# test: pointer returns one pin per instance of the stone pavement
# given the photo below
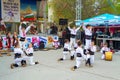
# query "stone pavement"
(50, 69)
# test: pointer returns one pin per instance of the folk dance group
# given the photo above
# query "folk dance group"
(75, 49)
(23, 56)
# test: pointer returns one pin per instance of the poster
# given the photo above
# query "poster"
(10, 10)
(29, 39)
(50, 39)
(43, 39)
(28, 10)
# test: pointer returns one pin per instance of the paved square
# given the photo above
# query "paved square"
(50, 69)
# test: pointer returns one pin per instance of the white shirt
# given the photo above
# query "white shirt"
(72, 31)
(93, 48)
(56, 43)
(67, 46)
(29, 50)
(21, 32)
(88, 56)
(104, 49)
(18, 50)
(87, 31)
(79, 50)
(75, 45)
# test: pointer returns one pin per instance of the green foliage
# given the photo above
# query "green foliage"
(66, 8)
(63, 9)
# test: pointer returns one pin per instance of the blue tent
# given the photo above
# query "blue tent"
(103, 19)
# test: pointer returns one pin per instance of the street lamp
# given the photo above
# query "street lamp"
(96, 6)
(78, 9)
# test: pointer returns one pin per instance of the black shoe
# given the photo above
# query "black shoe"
(61, 59)
(23, 63)
(72, 58)
(36, 62)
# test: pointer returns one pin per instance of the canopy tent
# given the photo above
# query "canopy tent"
(104, 19)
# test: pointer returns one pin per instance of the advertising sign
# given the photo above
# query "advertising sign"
(10, 10)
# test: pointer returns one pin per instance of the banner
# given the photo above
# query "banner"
(51, 39)
(28, 10)
(10, 10)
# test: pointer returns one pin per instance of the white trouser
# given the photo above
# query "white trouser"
(87, 43)
(92, 57)
(29, 59)
(78, 61)
(18, 61)
(85, 57)
(72, 53)
(103, 56)
(72, 42)
(22, 44)
(65, 53)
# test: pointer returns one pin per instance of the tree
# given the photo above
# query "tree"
(63, 9)
(90, 8)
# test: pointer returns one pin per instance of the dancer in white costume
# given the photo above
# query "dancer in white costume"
(92, 51)
(88, 37)
(73, 52)
(18, 57)
(29, 52)
(22, 33)
(66, 50)
(103, 50)
(73, 32)
(79, 54)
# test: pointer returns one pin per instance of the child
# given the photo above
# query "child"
(66, 50)
(88, 59)
(29, 52)
(56, 44)
(8, 38)
(73, 32)
(79, 54)
(73, 51)
(8, 43)
(18, 57)
(92, 51)
(22, 33)
(88, 36)
(14, 39)
(103, 50)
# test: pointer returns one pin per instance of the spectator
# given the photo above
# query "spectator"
(78, 35)
(98, 32)
(60, 37)
(54, 29)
